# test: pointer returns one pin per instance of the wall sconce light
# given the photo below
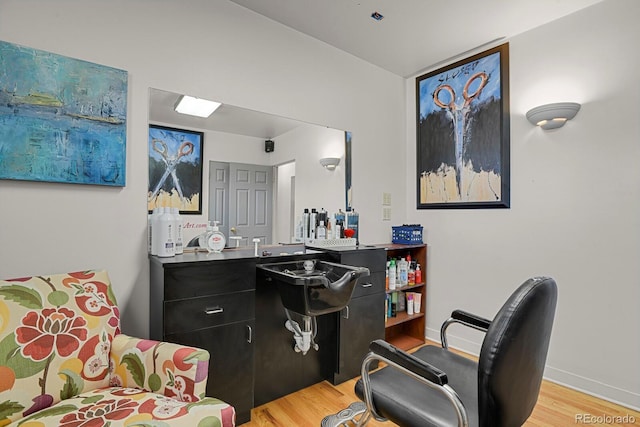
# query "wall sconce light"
(195, 106)
(330, 162)
(553, 116)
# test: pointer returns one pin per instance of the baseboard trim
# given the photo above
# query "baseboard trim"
(592, 387)
(573, 381)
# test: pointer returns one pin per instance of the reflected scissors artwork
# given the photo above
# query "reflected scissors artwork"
(171, 162)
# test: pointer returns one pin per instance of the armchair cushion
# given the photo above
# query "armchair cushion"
(174, 370)
(118, 406)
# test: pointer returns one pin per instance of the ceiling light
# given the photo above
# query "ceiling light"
(553, 116)
(330, 162)
(195, 106)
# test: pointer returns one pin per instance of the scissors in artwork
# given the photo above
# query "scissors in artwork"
(468, 97)
(459, 113)
(171, 161)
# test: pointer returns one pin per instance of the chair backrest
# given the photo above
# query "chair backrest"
(513, 354)
(55, 336)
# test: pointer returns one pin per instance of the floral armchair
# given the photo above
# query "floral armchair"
(63, 361)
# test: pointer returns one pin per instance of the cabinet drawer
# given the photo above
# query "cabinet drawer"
(209, 279)
(374, 259)
(374, 283)
(197, 313)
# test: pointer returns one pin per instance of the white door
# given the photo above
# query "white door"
(240, 198)
(219, 197)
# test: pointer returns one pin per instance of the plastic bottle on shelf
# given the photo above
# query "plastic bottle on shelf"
(386, 279)
(394, 304)
(418, 274)
(163, 234)
(331, 229)
(305, 224)
(216, 241)
(392, 274)
(411, 276)
(322, 216)
(322, 231)
(353, 220)
(312, 223)
(152, 219)
(403, 272)
(299, 234)
(177, 229)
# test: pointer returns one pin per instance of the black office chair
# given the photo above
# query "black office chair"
(436, 387)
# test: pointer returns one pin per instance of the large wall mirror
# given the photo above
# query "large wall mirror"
(251, 190)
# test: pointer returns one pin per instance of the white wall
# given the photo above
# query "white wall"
(575, 209)
(316, 187)
(221, 51)
(284, 213)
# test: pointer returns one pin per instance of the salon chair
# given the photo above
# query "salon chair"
(436, 387)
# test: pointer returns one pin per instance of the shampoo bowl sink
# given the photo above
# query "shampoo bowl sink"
(325, 288)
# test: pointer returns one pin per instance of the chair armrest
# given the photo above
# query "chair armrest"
(170, 369)
(407, 361)
(424, 372)
(464, 318)
(471, 319)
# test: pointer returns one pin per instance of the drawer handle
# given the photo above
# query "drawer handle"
(345, 314)
(250, 337)
(215, 310)
(367, 285)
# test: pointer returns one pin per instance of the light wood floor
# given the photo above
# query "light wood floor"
(557, 406)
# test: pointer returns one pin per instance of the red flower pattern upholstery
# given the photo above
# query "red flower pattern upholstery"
(63, 361)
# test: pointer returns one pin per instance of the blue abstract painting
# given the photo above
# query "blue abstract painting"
(61, 119)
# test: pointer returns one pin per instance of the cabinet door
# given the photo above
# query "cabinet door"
(280, 370)
(231, 365)
(361, 322)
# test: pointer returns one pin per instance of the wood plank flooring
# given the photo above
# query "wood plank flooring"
(557, 406)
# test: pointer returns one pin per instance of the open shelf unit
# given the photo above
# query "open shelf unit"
(404, 331)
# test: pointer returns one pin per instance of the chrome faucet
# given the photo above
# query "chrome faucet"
(255, 245)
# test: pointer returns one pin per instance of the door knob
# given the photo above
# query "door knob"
(233, 230)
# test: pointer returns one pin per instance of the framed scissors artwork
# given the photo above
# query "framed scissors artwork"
(175, 169)
(462, 148)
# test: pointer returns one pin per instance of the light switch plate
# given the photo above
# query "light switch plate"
(386, 199)
(386, 214)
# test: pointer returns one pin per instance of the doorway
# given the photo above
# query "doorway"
(241, 201)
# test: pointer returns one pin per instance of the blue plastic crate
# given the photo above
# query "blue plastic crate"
(406, 234)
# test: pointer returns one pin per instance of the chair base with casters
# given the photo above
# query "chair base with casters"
(436, 387)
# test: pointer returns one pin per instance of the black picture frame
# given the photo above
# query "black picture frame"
(175, 169)
(463, 133)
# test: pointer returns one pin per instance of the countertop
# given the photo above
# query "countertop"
(276, 252)
(236, 254)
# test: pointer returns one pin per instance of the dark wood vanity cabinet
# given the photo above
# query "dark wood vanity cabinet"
(211, 305)
(224, 304)
(362, 320)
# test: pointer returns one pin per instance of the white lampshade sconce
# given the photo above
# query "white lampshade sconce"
(553, 116)
(330, 163)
